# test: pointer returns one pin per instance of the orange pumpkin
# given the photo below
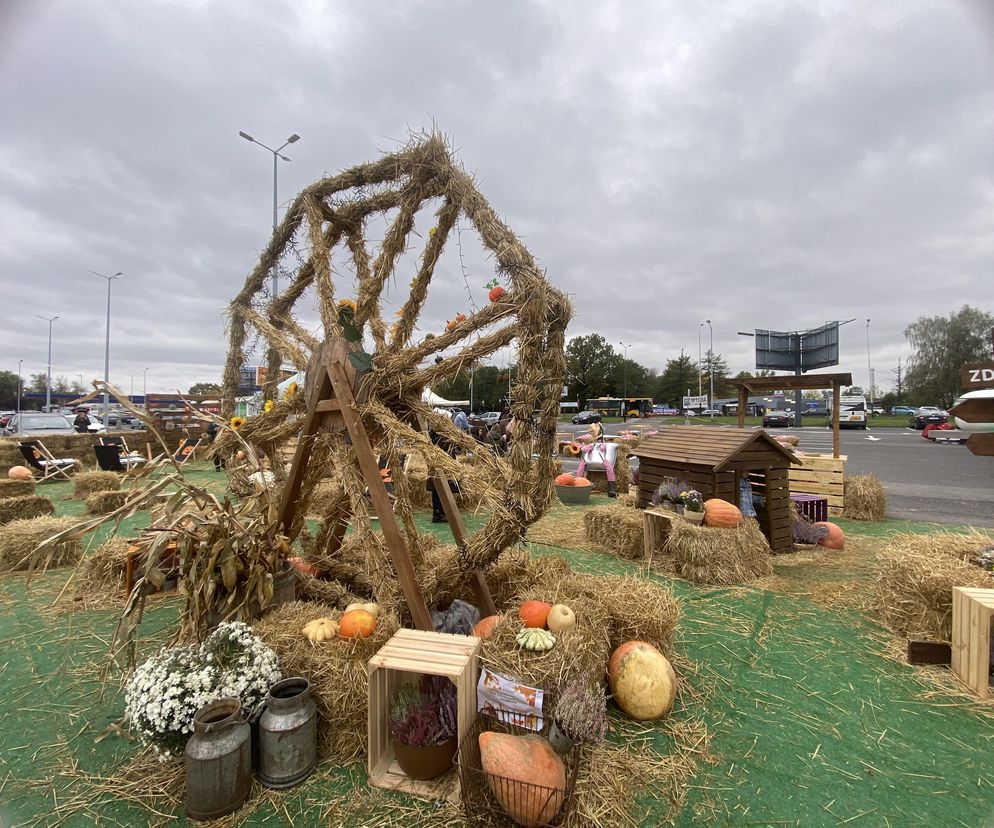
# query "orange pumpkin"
(529, 759)
(835, 539)
(582, 481)
(356, 623)
(721, 513)
(24, 473)
(534, 613)
(302, 566)
(565, 479)
(642, 681)
(486, 626)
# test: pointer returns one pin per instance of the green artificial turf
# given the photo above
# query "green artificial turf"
(810, 723)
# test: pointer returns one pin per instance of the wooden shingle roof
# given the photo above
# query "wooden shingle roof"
(713, 448)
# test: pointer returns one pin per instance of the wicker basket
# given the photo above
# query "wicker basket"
(479, 802)
(574, 495)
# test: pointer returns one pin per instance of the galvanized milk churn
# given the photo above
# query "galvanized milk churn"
(218, 761)
(288, 734)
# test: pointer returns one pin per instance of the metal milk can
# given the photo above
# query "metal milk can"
(288, 734)
(218, 761)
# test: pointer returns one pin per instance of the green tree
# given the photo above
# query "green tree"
(940, 346)
(205, 388)
(37, 384)
(679, 375)
(8, 389)
(590, 365)
(715, 364)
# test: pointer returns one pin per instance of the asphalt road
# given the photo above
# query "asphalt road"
(934, 482)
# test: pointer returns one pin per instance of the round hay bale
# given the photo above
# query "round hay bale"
(24, 508)
(16, 488)
(337, 671)
(915, 579)
(20, 538)
(86, 483)
(864, 498)
(103, 503)
(717, 556)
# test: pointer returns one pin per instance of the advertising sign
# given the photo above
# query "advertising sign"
(695, 402)
(977, 376)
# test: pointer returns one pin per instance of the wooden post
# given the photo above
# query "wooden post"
(743, 399)
(836, 408)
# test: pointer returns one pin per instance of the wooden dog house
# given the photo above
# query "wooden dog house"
(714, 461)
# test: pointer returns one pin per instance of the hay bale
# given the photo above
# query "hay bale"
(103, 503)
(20, 538)
(16, 488)
(337, 671)
(618, 528)
(864, 498)
(721, 557)
(100, 581)
(24, 508)
(638, 610)
(915, 579)
(325, 495)
(86, 483)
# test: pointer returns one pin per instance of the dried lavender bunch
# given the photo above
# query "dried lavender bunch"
(581, 712)
(805, 532)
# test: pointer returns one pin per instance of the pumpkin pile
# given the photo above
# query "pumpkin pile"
(540, 623)
(569, 479)
(358, 621)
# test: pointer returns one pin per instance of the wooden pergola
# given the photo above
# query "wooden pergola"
(799, 382)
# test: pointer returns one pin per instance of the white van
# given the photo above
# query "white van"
(852, 412)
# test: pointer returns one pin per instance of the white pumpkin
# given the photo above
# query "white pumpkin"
(642, 681)
(372, 609)
(561, 618)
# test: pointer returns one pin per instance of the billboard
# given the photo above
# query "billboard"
(695, 402)
(793, 350)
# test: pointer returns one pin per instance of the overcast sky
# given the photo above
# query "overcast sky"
(758, 164)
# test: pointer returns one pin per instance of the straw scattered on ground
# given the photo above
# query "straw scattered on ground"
(86, 483)
(24, 508)
(864, 498)
(716, 556)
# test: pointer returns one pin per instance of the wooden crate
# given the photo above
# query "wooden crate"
(971, 655)
(821, 474)
(405, 657)
(655, 529)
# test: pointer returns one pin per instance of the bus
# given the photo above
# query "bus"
(619, 406)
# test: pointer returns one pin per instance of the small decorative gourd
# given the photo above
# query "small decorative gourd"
(320, 629)
(535, 639)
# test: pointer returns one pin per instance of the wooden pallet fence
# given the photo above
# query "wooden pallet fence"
(405, 658)
(821, 474)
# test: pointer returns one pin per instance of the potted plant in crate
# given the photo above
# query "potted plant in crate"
(422, 724)
(693, 505)
(580, 716)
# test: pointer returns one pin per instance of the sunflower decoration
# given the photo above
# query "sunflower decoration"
(347, 308)
(236, 423)
(291, 391)
(573, 449)
(268, 406)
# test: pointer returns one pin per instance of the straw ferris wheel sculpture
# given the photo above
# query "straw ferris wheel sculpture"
(329, 217)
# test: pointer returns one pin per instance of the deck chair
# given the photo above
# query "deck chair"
(109, 458)
(186, 449)
(41, 459)
(116, 440)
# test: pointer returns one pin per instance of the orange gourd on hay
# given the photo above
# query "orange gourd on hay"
(528, 759)
(642, 681)
(19, 473)
(534, 613)
(356, 624)
(835, 539)
(721, 513)
(485, 628)
(565, 479)
(582, 481)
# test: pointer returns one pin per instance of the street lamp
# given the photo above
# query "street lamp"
(48, 382)
(711, 371)
(145, 389)
(699, 329)
(276, 154)
(20, 362)
(107, 340)
(869, 370)
(624, 401)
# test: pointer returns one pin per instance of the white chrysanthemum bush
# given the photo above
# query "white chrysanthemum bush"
(168, 689)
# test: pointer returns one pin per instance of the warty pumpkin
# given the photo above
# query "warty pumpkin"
(721, 513)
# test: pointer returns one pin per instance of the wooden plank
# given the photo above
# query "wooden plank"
(981, 444)
(928, 652)
(381, 502)
(328, 407)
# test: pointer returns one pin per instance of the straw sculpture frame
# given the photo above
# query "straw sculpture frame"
(330, 218)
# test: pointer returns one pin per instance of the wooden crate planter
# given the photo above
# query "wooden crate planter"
(405, 657)
(656, 523)
(821, 474)
(971, 654)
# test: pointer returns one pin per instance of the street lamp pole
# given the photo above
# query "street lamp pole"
(624, 401)
(145, 389)
(20, 362)
(711, 371)
(107, 339)
(276, 154)
(869, 370)
(48, 382)
(700, 328)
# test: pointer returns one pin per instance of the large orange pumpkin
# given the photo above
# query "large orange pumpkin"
(642, 681)
(565, 479)
(835, 539)
(356, 623)
(534, 613)
(530, 759)
(485, 628)
(721, 513)
(21, 473)
(582, 481)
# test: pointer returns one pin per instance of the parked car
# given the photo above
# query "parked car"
(816, 412)
(778, 419)
(927, 415)
(490, 418)
(906, 410)
(586, 417)
(5, 417)
(707, 412)
(38, 424)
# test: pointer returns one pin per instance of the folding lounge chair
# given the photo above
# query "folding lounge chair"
(186, 449)
(41, 459)
(116, 440)
(109, 458)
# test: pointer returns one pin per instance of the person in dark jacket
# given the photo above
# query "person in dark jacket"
(82, 421)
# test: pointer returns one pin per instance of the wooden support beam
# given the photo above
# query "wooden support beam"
(743, 399)
(836, 408)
